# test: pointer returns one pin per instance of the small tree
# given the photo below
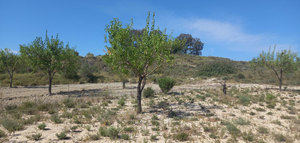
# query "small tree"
(9, 62)
(140, 54)
(283, 62)
(50, 56)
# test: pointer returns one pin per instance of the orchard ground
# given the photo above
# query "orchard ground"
(193, 112)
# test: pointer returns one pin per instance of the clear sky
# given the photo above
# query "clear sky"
(236, 29)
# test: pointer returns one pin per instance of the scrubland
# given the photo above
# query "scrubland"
(194, 111)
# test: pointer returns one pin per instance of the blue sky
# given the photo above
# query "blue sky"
(236, 29)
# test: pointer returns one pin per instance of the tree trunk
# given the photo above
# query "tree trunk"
(124, 84)
(280, 80)
(11, 80)
(50, 83)
(140, 87)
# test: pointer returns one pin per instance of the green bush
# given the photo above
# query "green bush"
(121, 102)
(166, 84)
(62, 136)
(216, 69)
(148, 92)
(42, 126)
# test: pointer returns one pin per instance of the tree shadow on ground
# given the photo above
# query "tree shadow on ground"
(82, 93)
(172, 110)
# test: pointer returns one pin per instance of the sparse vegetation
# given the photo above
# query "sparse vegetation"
(215, 99)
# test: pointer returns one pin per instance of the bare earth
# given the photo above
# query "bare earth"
(199, 118)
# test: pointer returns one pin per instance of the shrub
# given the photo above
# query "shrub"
(166, 84)
(2, 134)
(56, 119)
(69, 103)
(232, 129)
(244, 100)
(181, 136)
(103, 131)
(241, 121)
(62, 136)
(280, 138)
(248, 136)
(35, 137)
(121, 102)
(28, 107)
(148, 92)
(240, 76)
(42, 126)
(111, 132)
(216, 69)
(129, 129)
(94, 137)
(263, 130)
(153, 137)
(125, 137)
(12, 125)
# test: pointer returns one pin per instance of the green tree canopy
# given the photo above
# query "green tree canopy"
(140, 54)
(9, 61)
(280, 62)
(50, 56)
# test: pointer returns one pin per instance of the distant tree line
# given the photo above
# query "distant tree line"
(184, 43)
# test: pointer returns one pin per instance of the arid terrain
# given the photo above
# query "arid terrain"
(195, 112)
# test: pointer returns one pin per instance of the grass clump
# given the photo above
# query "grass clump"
(232, 129)
(124, 137)
(94, 137)
(42, 126)
(128, 129)
(35, 137)
(148, 92)
(166, 84)
(263, 130)
(244, 100)
(121, 102)
(153, 137)
(248, 136)
(12, 124)
(241, 121)
(69, 103)
(280, 138)
(181, 136)
(111, 132)
(56, 119)
(62, 136)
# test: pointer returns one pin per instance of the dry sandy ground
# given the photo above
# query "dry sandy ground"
(195, 127)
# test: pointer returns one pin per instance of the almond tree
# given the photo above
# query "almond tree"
(9, 62)
(280, 63)
(50, 56)
(139, 54)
